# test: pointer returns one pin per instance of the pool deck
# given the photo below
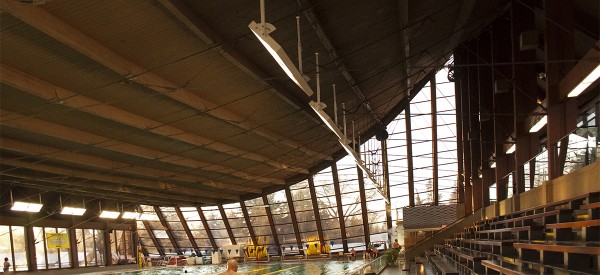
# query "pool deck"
(415, 269)
(86, 270)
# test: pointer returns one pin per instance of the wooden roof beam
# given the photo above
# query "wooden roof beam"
(42, 20)
(158, 187)
(35, 125)
(45, 152)
(182, 12)
(101, 189)
(50, 92)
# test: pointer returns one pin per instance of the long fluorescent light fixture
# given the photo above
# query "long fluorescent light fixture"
(586, 82)
(75, 211)
(318, 107)
(511, 149)
(539, 124)
(26, 207)
(109, 214)
(130, 215)
(262, 32)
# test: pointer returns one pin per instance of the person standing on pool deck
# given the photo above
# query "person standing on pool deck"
(6, 268)
(232, 267)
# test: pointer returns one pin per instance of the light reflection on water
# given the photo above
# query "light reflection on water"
(308, 268)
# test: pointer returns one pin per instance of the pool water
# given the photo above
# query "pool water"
(309, 268)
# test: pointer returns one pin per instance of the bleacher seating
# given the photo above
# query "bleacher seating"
(561, 237)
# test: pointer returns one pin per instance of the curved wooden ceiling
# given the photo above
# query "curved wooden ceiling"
(175, 102)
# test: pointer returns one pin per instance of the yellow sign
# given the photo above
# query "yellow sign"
(57, 240)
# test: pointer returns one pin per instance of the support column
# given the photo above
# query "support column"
(460, 179)
(340, 209)
(292, 208)
(315, 204)
(462, 88)
(73, 247)
(409, 156)
(30, 248)
(363, 205)
(488, 180)
(108, 250)
(207, 228)
(386, 183)
(271, 224)
(486, 116)
(559, 45)
(434, 144)
(502, 102)
(165, 225)
(524, 89)
(159, 248)
(474, 133)
(226, 222)
(248, 223)
(186, 228)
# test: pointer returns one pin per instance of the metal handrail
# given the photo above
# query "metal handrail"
(359, 270)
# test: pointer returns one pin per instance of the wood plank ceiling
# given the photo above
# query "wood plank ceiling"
(175, 102)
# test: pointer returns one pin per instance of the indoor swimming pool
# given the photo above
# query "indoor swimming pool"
(313, 267)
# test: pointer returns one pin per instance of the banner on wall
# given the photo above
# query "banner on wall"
(57, 240)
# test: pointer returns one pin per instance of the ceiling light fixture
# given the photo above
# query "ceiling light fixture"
(586, 82)
(75, 211)
(26, 207)
(109, 214)
(539, 124)
(130, 215)
(511, 149)
(262, 31)
(493, 164)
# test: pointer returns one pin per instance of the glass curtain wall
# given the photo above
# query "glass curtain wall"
(260, 221)
(145, 240)
(12, 246)
(47, 257)
(90, 247)
(237, 222)
(282, 219)
(327, 203)
(176, 227)
(194, 223)
(121, 245)
(216, 225)
(307, 225)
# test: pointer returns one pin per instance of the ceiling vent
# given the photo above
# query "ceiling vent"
(33, 2)
(529, 40)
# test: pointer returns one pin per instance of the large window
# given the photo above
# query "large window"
(90, 247)
(12, 246)
(216, 225)
(158, 230)
(260, 221)
(174, 224)
(194, 223)
(305, 215)
(48, 257)
(282, 219)
(145, 240)
(121, 246)
(325, 191)
(237, 222)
